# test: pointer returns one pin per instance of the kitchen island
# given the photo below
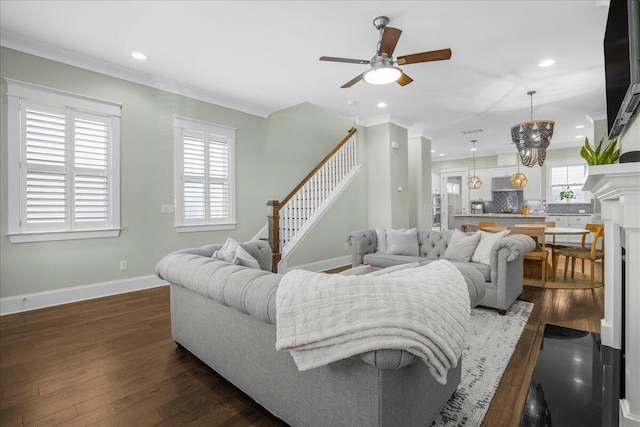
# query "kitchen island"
(506, 219)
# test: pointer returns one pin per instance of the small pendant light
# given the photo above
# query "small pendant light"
(519, 179)
(474, 182)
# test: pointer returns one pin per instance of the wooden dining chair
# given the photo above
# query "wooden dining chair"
(591, 253)
(550, 244)
(483, 224)
(465, 228)
(539, 253)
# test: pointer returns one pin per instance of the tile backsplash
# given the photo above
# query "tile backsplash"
(513, 200)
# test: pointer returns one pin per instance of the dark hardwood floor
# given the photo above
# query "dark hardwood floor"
(112, 362)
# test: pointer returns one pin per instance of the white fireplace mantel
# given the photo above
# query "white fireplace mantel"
(618, 189)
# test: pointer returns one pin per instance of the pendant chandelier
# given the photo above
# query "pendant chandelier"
(532, 138)
(474, 182)
(519, 179)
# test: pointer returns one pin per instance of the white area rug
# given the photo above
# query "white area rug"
(490, 342)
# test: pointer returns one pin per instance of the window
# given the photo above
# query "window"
(205, 178)
(570, 176)
(63, 157)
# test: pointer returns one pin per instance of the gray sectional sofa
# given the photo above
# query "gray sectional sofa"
(503, 274)
(225, 315)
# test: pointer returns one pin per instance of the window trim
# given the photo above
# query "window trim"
(18, 93)
(562, 163)
(184, 123)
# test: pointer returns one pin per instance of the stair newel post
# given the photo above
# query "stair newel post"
(273, 216)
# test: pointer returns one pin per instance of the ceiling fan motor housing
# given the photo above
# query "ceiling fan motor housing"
(380, 22)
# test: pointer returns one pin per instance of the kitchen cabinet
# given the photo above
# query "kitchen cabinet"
(503, 171)
(484, 192)
(532, 189)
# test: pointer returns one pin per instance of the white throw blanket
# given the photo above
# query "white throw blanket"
(322, 318)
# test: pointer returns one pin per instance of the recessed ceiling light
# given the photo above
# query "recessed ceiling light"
(579, 126)
(139, 55)
(382, 104)
(441, 154)
(433, 151)
(547, 62)
(579, 136)
(351, 102)
(473, 149)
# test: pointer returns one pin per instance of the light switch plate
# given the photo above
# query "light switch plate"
(167, 209)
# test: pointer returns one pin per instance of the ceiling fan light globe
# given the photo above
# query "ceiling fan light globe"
(382, 75)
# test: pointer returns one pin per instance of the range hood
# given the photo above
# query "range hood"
(503, 184)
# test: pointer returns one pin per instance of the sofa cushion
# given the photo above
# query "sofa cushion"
(387, 260)
(476, 281)
(461, 246)
(402, 242)
(482, 268)
(482, 253)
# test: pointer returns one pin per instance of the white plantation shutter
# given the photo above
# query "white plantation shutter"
(195, 199)
(219, 202)
(204, 175)
(64, 169)
(46, 166)
(91, 166)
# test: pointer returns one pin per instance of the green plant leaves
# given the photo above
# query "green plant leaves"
(598, 156)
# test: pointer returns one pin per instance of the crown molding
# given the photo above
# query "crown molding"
(69, 57)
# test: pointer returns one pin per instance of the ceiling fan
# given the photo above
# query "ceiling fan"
(383, 67)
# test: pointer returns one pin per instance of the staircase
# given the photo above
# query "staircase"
(290, 220)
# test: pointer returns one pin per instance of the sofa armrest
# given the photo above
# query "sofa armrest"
(362, 242)
(506, 268)
(516, 246)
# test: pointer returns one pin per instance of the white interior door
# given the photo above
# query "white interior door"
(455, 195)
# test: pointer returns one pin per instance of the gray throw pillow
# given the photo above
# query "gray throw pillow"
(402, 242)
(482, 253)
(461, 247)
(233, 253)
(381, 240)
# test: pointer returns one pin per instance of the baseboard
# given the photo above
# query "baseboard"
(37, 300)
(627, 419)
(326, 264)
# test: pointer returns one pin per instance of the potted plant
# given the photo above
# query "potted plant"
(567, 195)
(600, 156)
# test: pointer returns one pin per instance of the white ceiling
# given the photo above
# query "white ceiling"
(261, 57)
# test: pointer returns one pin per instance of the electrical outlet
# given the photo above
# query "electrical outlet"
(167, 209)
(124, 265)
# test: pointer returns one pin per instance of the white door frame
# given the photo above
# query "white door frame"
(464, 190)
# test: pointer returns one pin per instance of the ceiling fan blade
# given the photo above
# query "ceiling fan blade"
(352, 81)
(390, 37)
(404, 80)
(347, 60)
(434, 55)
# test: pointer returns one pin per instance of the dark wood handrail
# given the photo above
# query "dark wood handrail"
(274, 206)
(317, 168)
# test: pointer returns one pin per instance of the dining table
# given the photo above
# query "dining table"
(557, 231)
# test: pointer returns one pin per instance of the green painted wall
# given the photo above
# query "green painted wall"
(147, 179)
(377, 154)
(297, 139)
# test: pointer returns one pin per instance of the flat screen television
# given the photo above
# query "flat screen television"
(622, 63)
